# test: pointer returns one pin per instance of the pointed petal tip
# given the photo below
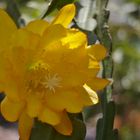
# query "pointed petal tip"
(98, 83)
(65, 15)
(110, 81)
(25, 126)
(65, 126)
(98, 51)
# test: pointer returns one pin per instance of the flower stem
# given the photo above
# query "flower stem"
(105, 124)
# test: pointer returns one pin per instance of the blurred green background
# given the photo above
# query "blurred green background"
(124, 25)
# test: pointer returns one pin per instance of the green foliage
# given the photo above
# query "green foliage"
(42, 131)
(135, 1)
(105, 124)
(13, 11)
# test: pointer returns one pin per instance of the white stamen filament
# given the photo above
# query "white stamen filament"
(51, 82)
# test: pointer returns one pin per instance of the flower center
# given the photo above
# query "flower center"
(52, 82)
(41, 79)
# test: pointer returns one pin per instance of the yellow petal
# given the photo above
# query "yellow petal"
(34, 105)
(65, 126)
(93, 64)
(52, 101)
(98, 51)
(24, 38)
(13, 63)
(50, 116)
(75, 74)
(65, 15)
(25, 125)
(24, 50)
(7, 27)
(71, 101)
(68, 100)
(74, 39)
(93, 67)
(98, 83)
(11, 110)
(10, 89)
(92, 96)
(52, 34)
(37, 26)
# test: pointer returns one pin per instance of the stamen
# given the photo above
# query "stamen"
(51, 82)
(40, 78)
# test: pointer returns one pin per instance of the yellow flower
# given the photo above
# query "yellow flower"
(47, 70)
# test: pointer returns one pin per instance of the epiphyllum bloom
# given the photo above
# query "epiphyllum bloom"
(47, 70)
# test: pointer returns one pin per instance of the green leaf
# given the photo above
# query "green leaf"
(105, 125)
(13, 10)
(43, 131)
(99, 129)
